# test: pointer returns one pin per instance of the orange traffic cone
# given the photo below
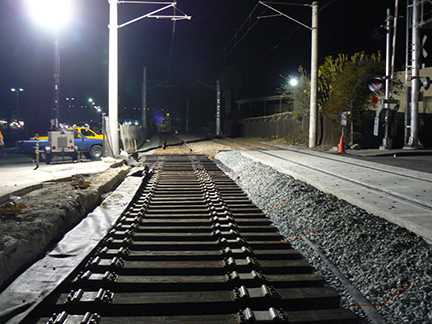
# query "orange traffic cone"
(341, 146)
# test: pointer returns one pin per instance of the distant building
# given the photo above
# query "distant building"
(425, 105)
(264, 106)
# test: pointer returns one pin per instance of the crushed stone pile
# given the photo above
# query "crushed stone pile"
(391, 266)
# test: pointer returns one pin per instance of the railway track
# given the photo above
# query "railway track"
(398, 176)
(191, 248)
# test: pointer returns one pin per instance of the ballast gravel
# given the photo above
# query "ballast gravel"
(391, 266)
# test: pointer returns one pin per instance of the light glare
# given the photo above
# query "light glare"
(51, 13)
(293, 82)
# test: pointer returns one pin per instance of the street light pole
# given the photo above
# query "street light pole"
(54, 14)
(56, 106)
(17, 90)
(113, 78)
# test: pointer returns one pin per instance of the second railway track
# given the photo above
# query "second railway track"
(192, 248)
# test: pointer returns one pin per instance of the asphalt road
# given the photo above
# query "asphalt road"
(18, 171)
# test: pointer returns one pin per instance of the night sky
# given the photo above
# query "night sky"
(27, 53)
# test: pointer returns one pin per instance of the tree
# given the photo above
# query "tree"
(342, 86)
(346, 81)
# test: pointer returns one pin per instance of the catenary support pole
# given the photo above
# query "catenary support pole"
(218, 108)
(144, 102)
(313, 113)
(313, 120)
(113, 59)
(113, 78)
(415, 76)
(187, 115)
(407, 73)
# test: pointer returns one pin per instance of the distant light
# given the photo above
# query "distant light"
(90, 100)
(51, 13)
(293, 82)
(16, 124)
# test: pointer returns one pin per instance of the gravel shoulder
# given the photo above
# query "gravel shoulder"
(391, 266)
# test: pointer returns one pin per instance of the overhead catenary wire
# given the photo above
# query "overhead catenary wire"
(173, 34)
(291, 4)
(273, 48)
(278, 44)
(234, 39)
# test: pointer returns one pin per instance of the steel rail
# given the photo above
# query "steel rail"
(421, 204)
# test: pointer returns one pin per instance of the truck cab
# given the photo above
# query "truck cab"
(87, 132)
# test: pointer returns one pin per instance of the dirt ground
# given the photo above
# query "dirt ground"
(48, 213)
(51, 211)
(208, 148)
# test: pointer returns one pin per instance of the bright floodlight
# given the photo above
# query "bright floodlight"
(293, 82)
(51, 13)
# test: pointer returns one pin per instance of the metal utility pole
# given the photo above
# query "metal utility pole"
(113, 59)
(389, 104)
(56, 106)
(144, 101)
(187, 115)
(407, 72)
(113, 78)
(218, 104)
(387, 142)
(413, 140)
(218, 108)
(17, 90)
(313, 120)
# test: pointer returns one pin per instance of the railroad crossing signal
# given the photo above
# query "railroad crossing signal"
(426, 83)
(376, 83)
